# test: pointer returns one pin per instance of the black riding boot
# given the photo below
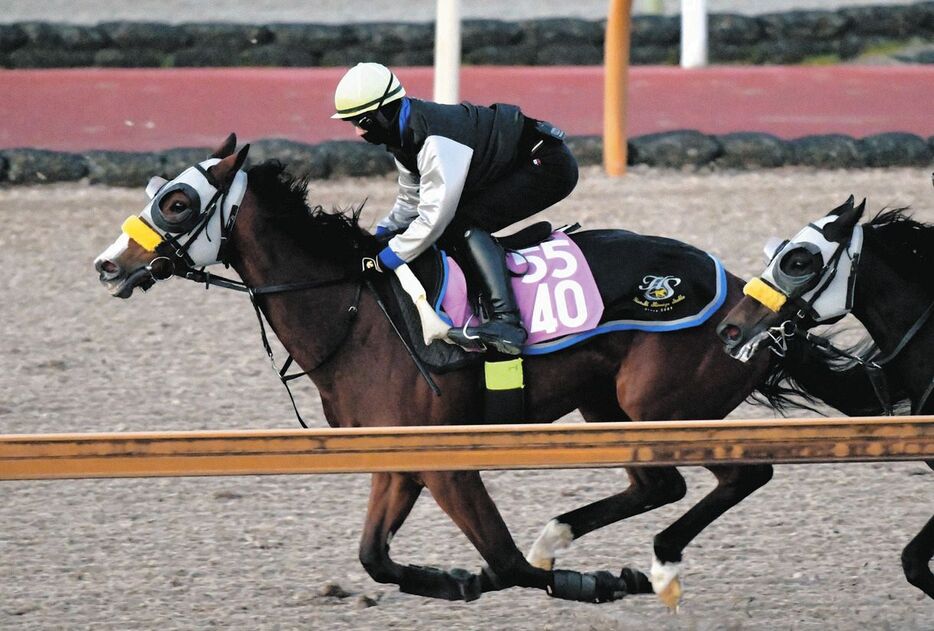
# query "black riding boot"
(504, 330)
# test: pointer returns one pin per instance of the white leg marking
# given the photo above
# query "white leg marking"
(555, 536)
(666, 582)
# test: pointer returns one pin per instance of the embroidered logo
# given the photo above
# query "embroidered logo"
(659, 293)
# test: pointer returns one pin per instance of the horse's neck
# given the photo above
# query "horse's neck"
(310, 323)
(886, 304)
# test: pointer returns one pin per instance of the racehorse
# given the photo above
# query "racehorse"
(880, 272)
(302, 266)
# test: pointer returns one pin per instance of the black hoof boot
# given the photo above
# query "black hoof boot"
(454, 584)
(636, 581)
(592, 587)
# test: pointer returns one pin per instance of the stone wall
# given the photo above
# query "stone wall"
(677, 149)
(778, 38)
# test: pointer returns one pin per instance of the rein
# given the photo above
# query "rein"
(173, 259)
(201, 276)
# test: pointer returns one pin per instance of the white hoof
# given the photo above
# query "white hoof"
(666, 582)
(555, 536)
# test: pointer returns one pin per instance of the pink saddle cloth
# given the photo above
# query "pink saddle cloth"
(555, 290)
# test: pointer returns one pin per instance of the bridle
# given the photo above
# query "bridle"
(798, 325)
(174, 258)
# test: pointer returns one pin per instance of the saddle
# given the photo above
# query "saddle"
(644, 283)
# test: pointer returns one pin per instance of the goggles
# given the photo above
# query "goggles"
(197, 230)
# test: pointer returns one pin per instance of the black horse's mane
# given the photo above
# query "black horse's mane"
(904, 243)
(335, 236)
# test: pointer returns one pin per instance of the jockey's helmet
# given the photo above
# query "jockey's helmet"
(364, 88)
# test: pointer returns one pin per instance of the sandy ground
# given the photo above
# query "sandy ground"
(818, 548)
(343, 11)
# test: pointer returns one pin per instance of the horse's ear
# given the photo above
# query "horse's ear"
(226, 148)
(845, 206)
(840, 229)
(225, 170)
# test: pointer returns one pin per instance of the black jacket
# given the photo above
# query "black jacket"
(446, 150)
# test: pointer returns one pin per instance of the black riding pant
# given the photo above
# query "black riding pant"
(539, 179)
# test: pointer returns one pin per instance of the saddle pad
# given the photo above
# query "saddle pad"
(554, 288)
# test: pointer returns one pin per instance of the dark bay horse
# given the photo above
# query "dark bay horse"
(881, 272)
(259, 223)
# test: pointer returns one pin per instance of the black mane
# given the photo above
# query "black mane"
(335, 236)
(904, 243)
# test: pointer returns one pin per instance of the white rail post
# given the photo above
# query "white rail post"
(693, 33)
(447, 51)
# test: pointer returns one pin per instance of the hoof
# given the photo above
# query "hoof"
(666, 583)
(555, 536)
(542, 563)
(671, 595)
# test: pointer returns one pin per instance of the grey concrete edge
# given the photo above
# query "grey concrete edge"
(683, 149)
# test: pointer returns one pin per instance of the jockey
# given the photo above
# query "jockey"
(465, 171)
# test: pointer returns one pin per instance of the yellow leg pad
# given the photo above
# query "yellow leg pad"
(770, 298)
(139, 231)
(504, 375)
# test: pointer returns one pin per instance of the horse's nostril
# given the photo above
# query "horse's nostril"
(108, 267)
(730, 333)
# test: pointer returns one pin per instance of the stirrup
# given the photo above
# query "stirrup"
(500, 342)
(477, 338)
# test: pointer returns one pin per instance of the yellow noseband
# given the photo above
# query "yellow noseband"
(139, 231)
(769, 297)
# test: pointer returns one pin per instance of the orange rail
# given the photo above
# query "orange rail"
(251, 452)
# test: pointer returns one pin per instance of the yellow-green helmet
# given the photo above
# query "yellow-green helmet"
(364, 88)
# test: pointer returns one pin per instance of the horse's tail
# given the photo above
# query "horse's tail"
(808, 376)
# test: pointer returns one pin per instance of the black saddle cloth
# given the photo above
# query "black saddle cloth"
(649, 279)
(645, 281)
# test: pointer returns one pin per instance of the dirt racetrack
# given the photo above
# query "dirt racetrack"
(818, 548)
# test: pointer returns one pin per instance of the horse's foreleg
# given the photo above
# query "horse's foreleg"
(917, 555)
(734, 483)
(464, 498)
(916, 559)
(392, 496)
(649, 488)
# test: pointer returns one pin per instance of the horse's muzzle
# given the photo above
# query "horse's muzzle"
(119, 283)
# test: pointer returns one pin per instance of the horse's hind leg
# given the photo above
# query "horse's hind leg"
(649, 488)
(734, 484)
(916, 557)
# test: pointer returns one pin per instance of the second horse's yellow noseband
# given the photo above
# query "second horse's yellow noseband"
(770, 298)
(142, 233)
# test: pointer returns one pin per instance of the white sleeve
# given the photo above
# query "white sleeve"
(443, 165)
(406, 207)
